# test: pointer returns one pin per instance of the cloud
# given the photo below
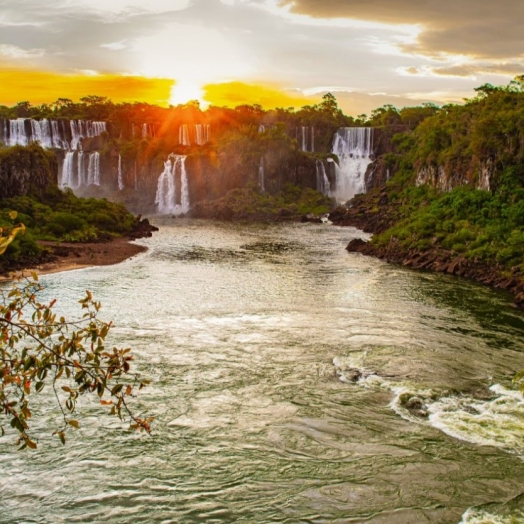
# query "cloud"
(208, 42)
(468, 27)
(10, 52)
(469, 70)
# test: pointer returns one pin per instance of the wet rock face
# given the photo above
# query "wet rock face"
(142, 228)
(415, 405)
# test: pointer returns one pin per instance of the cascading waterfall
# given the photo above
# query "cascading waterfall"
(304, 138)
(144, 130)
(183, 135)
(261, 128)
(166, 195)
(68, 170)
(201, 134)
(82, 181)
(74, 178)
(49, 133)
(120, 175)
(56, 141)
(323, 185)
(354, 149)
(93, 169)
(261, 176)
(307, 138)
(17, 133)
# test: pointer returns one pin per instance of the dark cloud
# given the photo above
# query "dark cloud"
(471, 70)
(472, 27)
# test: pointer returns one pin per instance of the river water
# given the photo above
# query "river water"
(251, 336)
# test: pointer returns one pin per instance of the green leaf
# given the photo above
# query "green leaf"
(117, 389)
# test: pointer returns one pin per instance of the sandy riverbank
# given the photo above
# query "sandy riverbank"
(67, 256)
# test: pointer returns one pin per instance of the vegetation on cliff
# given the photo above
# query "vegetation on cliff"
(469, 213)
(60, 217)
(249, 203)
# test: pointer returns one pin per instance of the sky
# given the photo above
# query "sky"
(284, 53)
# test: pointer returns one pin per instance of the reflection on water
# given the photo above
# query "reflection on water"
(277, 362)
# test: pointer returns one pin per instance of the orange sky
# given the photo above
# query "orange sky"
(39, 87)
(254, 51)
(233, 94)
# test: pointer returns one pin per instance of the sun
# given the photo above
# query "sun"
(185, 90)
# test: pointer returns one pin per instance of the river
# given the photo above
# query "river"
(250, 335)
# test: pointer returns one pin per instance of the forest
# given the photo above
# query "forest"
(455, 173)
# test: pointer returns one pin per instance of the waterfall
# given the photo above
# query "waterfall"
(50, 133)
(120, 176)
(95, 128)
(184, 189)
(323, 184)
(183, 135)
(261, 176)
(56, 140)
(75, 134)
(307, 138)
(166, 195)
(82, 181)
(201, 134)
(17, 133)
(68, 170)
(261, 128)
(41, 133)
(93, 169)
(74, 179)
(144, 130)
(354, 148)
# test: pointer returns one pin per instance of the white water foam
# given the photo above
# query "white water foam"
(496, 419)
(475, 516)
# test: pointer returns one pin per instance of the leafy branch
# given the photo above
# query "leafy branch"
(37, 349)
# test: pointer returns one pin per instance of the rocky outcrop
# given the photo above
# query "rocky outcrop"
(372, 212)
(27, 171)
(478, 174)
(142, 228)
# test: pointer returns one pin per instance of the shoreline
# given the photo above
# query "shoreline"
(70, 256)
(374, 213)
